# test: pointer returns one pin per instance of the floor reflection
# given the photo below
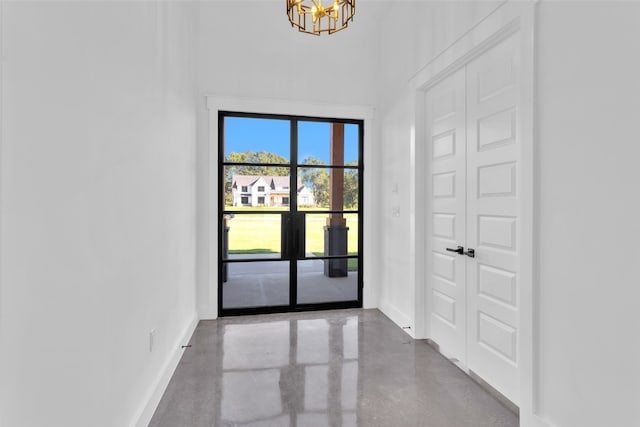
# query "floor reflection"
(334, 368)
(290, 373)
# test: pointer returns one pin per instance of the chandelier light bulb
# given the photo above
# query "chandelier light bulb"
(311, 17)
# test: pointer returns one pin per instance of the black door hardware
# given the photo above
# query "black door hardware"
(459, 250)
(471, 253)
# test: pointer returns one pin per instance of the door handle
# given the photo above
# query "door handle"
(471, 253)
(292, 236)
(459, 250)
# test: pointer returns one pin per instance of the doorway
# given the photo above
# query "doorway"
(474, 256)
(290, 213)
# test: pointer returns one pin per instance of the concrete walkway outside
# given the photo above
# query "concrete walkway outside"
(258, 284)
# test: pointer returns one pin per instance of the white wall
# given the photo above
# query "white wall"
(98, 226)
(587, 104)
(396, 288)
(408, 42)
(248, 49)
(97, 185)
(589, 210)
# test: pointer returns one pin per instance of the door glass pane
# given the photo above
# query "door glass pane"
(243, 189)
(351, 144)
(328, 280)
(318, 185)
(255, 284)
(253, 235)
(315, 144)
(252, 140)
(331, 234)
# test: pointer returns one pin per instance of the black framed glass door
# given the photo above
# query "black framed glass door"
(290, 211)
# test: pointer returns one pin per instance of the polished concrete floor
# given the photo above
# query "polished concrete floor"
(337, 368)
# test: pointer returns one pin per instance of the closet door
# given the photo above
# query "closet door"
(492, 217)
(445, 190)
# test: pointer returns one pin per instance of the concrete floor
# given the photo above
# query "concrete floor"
(337, 368)
(263, 284)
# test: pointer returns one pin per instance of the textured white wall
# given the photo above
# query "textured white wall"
(98, 225)
(589, 210)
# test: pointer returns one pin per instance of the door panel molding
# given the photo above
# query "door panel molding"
(447, 305)
(493, 214)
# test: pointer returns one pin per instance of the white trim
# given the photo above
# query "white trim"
(506, 20)
(417, 204)
(206, 314)
(209, 307)
(498, 25)
(286, 107)
(528, 307)
(536, 421)
(2, 128)
(158, 387)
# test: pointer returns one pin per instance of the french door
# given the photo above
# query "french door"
(474, 199)
(290, 213)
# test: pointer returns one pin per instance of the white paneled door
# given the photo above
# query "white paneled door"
(485, 218)
(492, 217)
(447, 296)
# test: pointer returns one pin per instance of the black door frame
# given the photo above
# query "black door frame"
(292, 214)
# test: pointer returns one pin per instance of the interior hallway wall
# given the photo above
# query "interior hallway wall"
(97, 180)
(248, 49)
(587, 94)
(588, 211)
(414, 33)
(98, 221)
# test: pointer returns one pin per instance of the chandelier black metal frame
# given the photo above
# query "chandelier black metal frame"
(311, 17)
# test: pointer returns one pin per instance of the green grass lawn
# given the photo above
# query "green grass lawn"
(352, 263)
(251, 251)
(260, 234)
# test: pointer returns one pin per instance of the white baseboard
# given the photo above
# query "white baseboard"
(398, 317)
(533, 420)
(208, 315)
(149, 405)
(539, 422)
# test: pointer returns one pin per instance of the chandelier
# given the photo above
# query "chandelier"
(311, 17)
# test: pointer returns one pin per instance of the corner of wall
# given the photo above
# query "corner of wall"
(157, 388)
(397, 317)
(532, 420)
